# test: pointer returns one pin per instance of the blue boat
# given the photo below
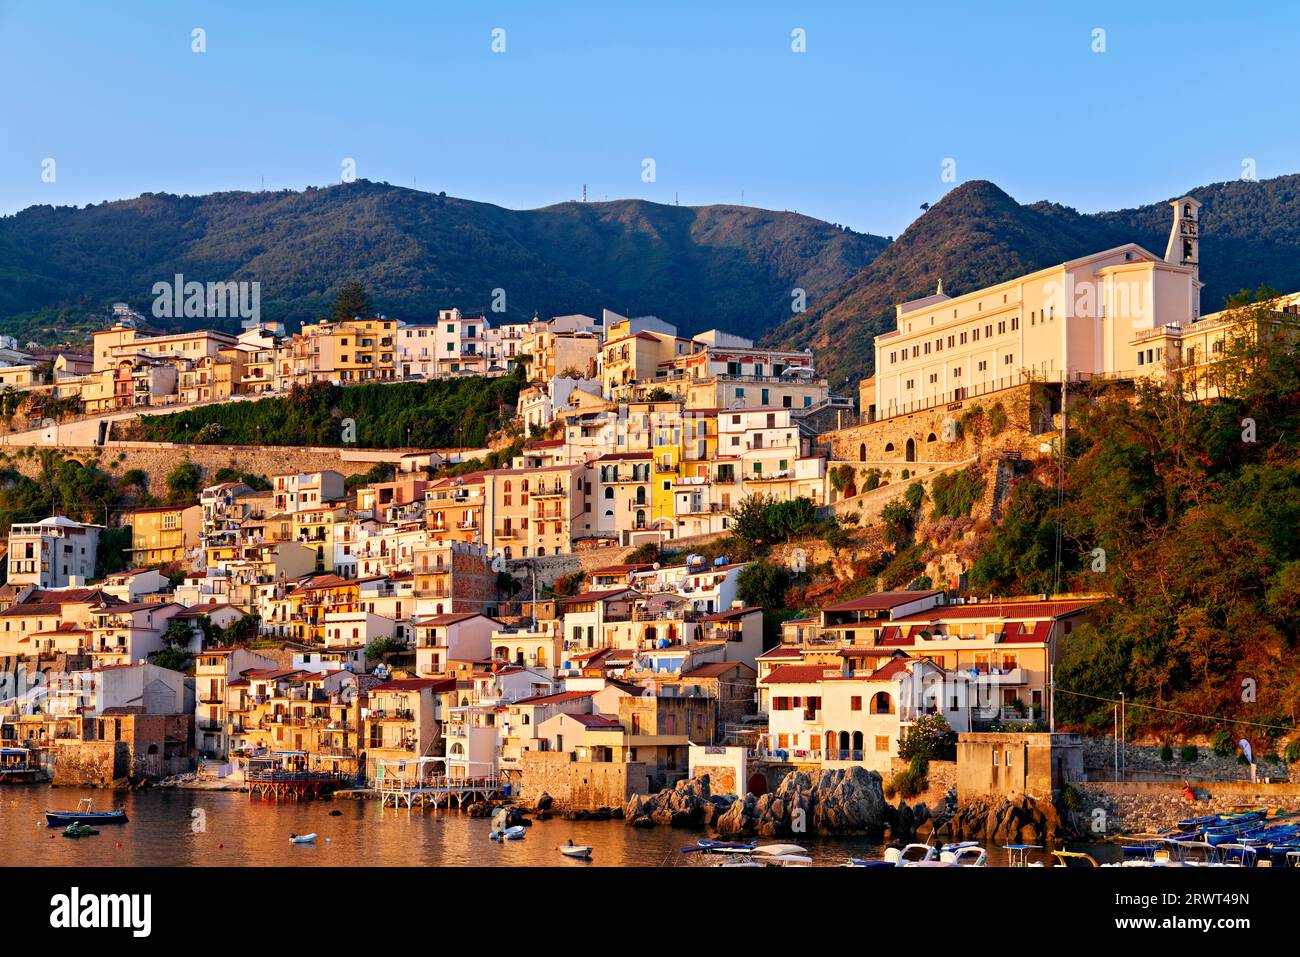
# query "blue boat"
(84, 815)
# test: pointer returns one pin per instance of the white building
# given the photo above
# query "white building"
(55, 552)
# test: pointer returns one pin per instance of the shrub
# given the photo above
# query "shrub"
(382, 646)
(1070, 797)
(1223, 743)
(1166, 753)
(955, 493)
(1292, 753)
(930, 738)
(911, 781)
(997, 418)
(1189, 753)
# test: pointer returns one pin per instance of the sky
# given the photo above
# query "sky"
(887, 106)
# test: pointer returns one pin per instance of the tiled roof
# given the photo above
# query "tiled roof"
(881, 601)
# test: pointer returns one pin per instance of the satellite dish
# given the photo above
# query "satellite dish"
(656, 566)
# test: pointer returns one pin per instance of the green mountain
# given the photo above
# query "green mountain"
(978, 235)
(699, 267)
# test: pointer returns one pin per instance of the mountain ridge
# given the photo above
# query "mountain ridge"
(417, 252)
(978, 235)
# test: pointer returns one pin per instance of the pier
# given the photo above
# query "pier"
(425, 782)
(285, 777)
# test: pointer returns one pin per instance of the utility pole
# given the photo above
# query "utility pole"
(1123, 725)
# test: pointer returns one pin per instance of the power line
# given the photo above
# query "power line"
(1130, 703)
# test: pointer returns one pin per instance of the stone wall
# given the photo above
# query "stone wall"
(884, 442)
(157, 459)
(1134, 807)
(1144, 760)
(585, 785)
(91, 763)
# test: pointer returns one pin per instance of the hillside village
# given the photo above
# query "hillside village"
(696, 558)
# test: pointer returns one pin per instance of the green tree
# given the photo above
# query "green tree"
(350, 303)
(763, 584)
(749, 520)
(930, 738)
(184, 482)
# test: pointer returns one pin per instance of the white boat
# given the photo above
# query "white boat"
(911, 855)
(302, 838)
(780, 849)
(966, 854)
(509, 834)
(576, 850)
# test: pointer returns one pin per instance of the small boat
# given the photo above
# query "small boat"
(718, 847)
(786, 860)
(580, 851)
(860, 862)
(1018, 854)
(966, 854)
(302, 838)
(1073, 859)
(77, 829)
(780, 849)
(17, 766)
(509, 834)
(85, 814)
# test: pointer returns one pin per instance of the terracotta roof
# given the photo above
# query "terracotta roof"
(555, 698)
(881, 601)
(595, 595)
(596, 720)
(781, 651)
(1018, 610)
(733, 614)
(451, 618)
(800, 674)
(623, 569)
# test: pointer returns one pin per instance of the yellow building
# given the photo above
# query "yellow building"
(165, 533)
(358, 350)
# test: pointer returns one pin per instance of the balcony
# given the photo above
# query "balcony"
(392, 714)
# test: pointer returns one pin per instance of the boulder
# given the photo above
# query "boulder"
(833, 801)
(687, 804)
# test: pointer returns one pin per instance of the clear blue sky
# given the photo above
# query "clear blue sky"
(853, 131)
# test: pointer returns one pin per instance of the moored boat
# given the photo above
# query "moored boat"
(581, 851)
(85, 814)
(17, 766)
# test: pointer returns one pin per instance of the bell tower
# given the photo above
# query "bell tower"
(1184, 248)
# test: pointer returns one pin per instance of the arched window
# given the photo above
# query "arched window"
(889, 446)
(882, 703)
(931, 437)
(609, 492)
(862, 452)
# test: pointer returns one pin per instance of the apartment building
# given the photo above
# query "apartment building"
(164, 534)
(55, 552)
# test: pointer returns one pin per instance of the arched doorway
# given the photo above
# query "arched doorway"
(910, 455)
(862, 452)
(757, 785)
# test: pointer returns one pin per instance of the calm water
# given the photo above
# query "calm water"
(184, 828)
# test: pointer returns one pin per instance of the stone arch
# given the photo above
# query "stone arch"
(909, 454)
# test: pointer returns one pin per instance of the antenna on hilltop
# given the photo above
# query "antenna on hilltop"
(584, 192)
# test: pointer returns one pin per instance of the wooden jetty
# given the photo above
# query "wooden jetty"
(425, 782)
(283, 778)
